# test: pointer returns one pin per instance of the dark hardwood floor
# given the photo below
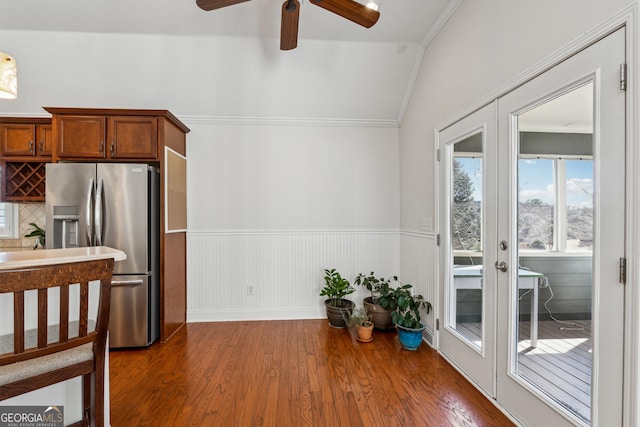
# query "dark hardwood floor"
(290, 373)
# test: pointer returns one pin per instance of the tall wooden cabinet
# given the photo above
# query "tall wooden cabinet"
(121, 135)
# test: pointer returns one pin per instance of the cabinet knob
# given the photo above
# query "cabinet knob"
(101, 148)
(113, 148)
(31, 147)
(41, 146)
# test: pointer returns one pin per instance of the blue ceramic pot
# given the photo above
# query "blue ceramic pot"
(410, 338)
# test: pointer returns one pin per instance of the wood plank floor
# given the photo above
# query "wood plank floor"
(560, 365)
(290, 373)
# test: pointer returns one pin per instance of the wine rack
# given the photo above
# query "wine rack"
(24, 181)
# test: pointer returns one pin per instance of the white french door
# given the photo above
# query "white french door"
(532, 222)
(468, 162)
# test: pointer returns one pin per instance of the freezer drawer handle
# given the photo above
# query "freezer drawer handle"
(126, 282)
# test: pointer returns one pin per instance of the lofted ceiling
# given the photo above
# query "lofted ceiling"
(401, 21)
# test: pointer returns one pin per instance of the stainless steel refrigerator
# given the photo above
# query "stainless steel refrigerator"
(115, 205)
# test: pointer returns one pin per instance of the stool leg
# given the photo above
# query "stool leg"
(98, 397)
(86, 400)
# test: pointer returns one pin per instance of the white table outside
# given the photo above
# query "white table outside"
(470, 277)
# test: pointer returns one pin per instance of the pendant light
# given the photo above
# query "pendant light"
(8, 77)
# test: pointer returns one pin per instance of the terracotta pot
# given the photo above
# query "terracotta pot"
(380, 317)
(335, 314)
(410, 338)
(365, 332)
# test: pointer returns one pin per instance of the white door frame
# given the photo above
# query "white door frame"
(627, 18)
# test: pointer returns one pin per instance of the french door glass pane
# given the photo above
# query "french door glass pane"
(555, 233)
(466, 294)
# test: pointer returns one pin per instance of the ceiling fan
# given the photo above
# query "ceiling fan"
(348, 9)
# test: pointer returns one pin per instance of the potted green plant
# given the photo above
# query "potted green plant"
(381, 302)
(37, 232)
(406, 316)
(361, 321)
(335, 289)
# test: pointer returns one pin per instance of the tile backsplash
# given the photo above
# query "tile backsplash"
(27, 212)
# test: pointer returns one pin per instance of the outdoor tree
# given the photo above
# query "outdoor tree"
(535, 224)
(466, 212)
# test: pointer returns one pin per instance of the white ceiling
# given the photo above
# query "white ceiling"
(569, 112)
(401, 21)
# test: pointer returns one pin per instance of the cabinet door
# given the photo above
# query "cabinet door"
(45, 139)
(133, 137)
(17, 139)
(81, 136)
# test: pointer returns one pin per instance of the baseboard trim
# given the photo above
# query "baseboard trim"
(195, 316)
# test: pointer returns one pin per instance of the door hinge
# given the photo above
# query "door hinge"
(437, 240)
(437, 324)
(438, 155)
(623, 76)
(623, 270)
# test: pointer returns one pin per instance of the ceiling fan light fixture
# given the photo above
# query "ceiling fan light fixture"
(372, 5)
(8, 77)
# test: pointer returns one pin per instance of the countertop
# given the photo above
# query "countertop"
(23, 259)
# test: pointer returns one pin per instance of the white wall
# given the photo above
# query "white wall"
(209, 76)
(271, 205)
(292, 177)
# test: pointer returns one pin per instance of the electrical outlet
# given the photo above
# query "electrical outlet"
(250, 290)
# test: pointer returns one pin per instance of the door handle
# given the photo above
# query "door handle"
(89, 207)
(97, 216)
(502, 266)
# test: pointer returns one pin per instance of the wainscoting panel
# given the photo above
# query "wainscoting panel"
(418, 267)
(284, 270)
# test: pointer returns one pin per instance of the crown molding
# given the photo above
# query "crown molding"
(287, 121)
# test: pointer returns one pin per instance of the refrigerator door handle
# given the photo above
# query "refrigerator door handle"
(98, 214)
(90, 194)
(64, 234)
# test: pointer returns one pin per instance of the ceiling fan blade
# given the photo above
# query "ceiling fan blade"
(351, 10)
(289, 24)
(216, 4)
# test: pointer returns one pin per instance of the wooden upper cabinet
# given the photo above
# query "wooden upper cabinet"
(18, 139)
(25, 138)
(133, 137)
(44, 137)
(107, 137)
(81, 136)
